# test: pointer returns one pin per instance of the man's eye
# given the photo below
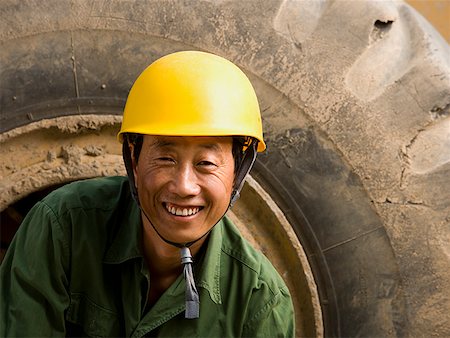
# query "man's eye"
(165, 159)
(206, 163)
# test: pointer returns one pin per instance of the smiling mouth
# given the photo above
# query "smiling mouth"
(181, 211)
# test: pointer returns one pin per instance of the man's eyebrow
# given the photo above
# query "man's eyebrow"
(160, 143)
(211, 146)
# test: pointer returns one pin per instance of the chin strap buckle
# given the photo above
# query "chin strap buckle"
(191, 295)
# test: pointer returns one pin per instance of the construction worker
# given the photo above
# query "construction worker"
(153, 254)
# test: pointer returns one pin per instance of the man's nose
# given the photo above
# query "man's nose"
(185, 182)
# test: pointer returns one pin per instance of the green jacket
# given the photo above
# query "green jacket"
(75, 267)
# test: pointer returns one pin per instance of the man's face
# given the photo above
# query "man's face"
(184, 183)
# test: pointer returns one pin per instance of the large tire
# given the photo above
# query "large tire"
(355, 101)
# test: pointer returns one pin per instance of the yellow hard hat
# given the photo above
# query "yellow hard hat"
(193, 93)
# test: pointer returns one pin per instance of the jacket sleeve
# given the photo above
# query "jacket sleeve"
(33, 279)
(274, 318)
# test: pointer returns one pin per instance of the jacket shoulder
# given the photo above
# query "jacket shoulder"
(95, 193)
(242, 253)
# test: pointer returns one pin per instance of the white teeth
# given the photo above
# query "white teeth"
(182, 211)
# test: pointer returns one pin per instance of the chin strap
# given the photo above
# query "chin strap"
(192, 298)
(246, 165)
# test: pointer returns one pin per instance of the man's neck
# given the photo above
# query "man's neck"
(163, 261)
(163, 257)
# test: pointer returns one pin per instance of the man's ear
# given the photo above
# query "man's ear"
(133, 161)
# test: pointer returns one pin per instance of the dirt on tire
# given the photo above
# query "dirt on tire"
(355, 98)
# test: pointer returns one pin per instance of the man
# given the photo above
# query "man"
(153, 255)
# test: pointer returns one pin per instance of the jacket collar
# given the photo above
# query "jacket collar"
(208, 276)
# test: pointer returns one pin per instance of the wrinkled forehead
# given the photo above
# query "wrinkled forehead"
(213, 143)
